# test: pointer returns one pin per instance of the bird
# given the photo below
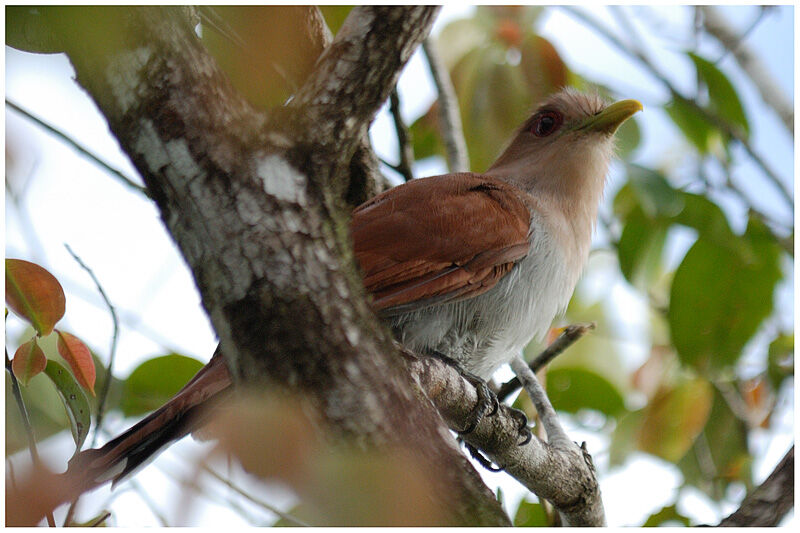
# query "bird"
(467, 266)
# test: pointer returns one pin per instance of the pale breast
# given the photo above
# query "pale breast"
(483, 332)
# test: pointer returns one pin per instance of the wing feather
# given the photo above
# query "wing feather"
(460, 234)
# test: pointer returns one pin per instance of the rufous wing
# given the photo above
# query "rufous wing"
(439, 239)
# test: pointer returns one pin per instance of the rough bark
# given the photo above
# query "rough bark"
(252, 202)
(561, 473)
(768, 504)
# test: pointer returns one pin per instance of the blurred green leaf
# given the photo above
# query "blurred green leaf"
(426, 134)
(542, 67)
(720, 455)
(673, 419)
(628, 137)
(694, 126)
(573, 389)
(624, 438)
(720, 295)
(45, 411)
(640, 249)
(493, 96)
(666, 515)
(780, 360)
(335, 16)
(530, 514)
(75, 402)
(459, 38)
(723, 99)
(155, 381)
(656, 196)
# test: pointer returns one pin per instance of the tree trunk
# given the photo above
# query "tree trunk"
(254, 203)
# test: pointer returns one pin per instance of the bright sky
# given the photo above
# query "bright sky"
(120, 236)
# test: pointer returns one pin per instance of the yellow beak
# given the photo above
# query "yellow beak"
(610, 118)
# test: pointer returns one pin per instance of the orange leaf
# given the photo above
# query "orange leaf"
(34, 294)
(79, 358)
(28, 361)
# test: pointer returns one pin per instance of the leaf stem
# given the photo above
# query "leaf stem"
(26, 422)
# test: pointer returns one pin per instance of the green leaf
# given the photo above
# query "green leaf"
(694, 126)
(45, 411)
(29, 360)
(155, 381)
(493, 98)
(720, 455)
(459, 38)
(426, 136)
(780, 360)
(656, 196)
(640, 249)
(723, 99)
(74, 399)
(628, 138)
(34, 294)
(544, 70)
(720, 295)
(573, 389)
(624, 438)
(674, 418)
(335, 16)
(666, 515)
(530, 514)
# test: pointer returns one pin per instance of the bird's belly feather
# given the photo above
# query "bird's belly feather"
(483, 332)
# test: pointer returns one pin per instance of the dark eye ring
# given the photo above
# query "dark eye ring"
(546, 123)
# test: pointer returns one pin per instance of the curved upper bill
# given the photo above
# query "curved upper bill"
(610, 118)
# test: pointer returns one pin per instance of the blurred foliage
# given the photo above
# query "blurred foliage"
(704, 313)
(692, 402)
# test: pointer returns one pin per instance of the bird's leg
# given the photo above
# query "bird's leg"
(487, 400)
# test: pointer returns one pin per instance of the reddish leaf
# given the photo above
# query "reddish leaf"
(34, 294)
(79, 358)
(29, 360)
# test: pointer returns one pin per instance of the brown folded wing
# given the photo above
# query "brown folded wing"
(439, 239)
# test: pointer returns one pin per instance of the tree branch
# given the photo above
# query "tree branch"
(449, 115)
(562, 475)
(769, 503)
(715, 24)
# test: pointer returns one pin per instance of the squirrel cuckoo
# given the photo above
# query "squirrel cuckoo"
(470, 266)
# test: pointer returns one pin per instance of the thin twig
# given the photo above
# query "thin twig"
(84, 151)
(405, 148)
(26, 423)
(716, 25)
(731, 131)
(449, 116)
(287, 517)
(570, 334)
(556, 436)
(106, 384)
(112, 351)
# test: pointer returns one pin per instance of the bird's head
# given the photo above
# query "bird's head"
(565, 146)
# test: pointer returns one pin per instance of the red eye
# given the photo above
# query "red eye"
(546, 123)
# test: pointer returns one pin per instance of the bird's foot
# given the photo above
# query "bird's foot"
(487, 403)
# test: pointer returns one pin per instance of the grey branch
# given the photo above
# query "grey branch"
(561, 473)
(571, 333)
(125, 180)
(449, 114)
(769, 503)
(716, 24)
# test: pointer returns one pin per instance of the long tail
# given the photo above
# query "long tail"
(134, 448)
